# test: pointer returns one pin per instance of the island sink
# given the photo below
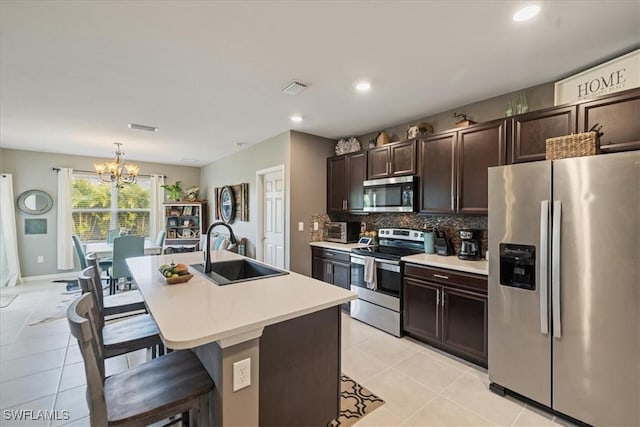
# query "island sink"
(241, 270)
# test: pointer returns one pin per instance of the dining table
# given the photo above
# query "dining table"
(271, 345)
(104, 249)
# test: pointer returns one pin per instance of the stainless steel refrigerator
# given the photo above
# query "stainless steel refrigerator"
(564, 285)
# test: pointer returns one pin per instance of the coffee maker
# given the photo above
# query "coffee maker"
(470, 243)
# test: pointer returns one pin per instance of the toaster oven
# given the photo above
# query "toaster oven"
(342, 232)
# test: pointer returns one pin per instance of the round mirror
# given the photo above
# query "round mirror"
(35, 202)
(227, 204)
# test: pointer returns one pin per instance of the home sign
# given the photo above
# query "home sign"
(619, 74)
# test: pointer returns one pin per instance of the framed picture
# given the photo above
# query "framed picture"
(187, 211)
(172, 222)
(171, 234)
(186, 223)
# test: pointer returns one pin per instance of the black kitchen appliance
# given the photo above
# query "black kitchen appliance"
(378, 303)
(443, 244)
(470, 241)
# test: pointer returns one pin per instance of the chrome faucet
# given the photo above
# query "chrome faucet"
(207, 249)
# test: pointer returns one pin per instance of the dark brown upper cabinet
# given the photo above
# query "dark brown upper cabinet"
(345, 175)
(530, 131)
(479, 147)
(619, 117)
(395, 159)
(437, 173)
(453, 168)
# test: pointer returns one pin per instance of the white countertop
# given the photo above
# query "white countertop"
(199, 311)
(345, 247)
(451, 262)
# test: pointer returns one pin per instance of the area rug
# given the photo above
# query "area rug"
(59, 311)
(6, 300)
(355, 402)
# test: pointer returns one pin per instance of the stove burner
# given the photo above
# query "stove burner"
(394, 243)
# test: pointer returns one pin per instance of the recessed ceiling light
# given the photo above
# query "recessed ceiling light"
(363, 86)
(142, 127)
(296, 118)
(526, 13)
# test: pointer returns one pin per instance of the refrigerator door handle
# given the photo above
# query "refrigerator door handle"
(555, 268)
(544, 267)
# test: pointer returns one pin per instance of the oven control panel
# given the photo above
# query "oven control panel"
(402, 234)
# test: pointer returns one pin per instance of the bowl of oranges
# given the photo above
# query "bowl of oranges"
(175, 273)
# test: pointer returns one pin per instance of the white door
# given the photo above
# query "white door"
(273, 243)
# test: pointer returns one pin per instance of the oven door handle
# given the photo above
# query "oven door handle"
(381, 264)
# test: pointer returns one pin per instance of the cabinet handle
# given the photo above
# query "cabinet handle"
(441, 276)
(437, 297)
(328, 254)
(458, 202)
(442, 298)
(346, 204)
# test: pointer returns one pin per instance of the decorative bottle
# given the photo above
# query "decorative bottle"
(525, 104)
(509, 111)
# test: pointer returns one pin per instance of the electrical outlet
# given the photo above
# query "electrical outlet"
(315, 226)
(241, 374)
(301, 226)
(40, 259)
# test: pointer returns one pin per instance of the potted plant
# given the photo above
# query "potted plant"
(174, 191)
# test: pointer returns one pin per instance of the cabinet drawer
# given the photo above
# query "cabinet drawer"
(331, 254)
(457, 279)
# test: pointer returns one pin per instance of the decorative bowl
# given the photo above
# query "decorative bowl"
(179, 279)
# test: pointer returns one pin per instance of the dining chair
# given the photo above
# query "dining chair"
(150, 392)
(162, 234)
(112, 234)
(104, 263)
(123, 336)
(124, 247)
(122, 303)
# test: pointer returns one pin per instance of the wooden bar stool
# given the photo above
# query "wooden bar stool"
(123, 336)
(153, 391)
(124, 302)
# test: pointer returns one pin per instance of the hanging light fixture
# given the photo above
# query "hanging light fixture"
(117, 171)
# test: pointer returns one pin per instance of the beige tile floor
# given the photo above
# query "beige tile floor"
(41, 369)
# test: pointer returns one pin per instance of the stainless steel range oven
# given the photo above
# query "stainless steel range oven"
(378, 302)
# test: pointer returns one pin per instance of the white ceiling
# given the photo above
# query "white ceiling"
(209, 73)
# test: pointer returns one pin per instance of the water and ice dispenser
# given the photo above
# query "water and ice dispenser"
(518, 266)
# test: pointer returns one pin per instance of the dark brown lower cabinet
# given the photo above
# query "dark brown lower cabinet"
(333, 267)
(447, 309)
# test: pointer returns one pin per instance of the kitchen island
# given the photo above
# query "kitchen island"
(288, 326)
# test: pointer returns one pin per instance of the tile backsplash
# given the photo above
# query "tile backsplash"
(450, 224)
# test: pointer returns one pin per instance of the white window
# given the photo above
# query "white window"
(98, 207)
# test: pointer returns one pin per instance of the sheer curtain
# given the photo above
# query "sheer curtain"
(65, 220)
(156, 220)
(9, 260)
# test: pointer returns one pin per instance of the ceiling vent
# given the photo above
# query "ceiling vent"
(294, 87)
(142, 127)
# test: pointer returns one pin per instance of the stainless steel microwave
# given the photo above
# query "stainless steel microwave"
(342, 232)
(391, 194)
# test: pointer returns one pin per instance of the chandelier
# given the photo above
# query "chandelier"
(117, 171)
